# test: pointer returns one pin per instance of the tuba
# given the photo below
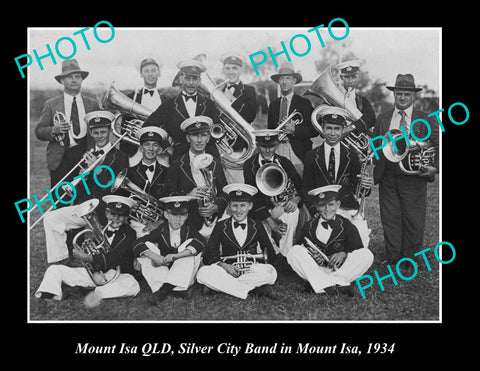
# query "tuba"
(148, 209)
(243, 260)
(202, 163)
(271, 179)
(235, 128)
(94, 241)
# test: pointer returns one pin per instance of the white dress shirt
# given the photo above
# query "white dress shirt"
(240, 233)
(68, 101)
(396, 117)
(322, 233)
(148, 172)
(196, 174)
(151, 101)
(190, 105)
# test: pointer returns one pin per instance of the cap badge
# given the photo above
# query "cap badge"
(198, 124)
(118, 205)
(97, 119)
(267, 137)
(177, 204)
(349, 68)
(238, 192)
(150, 134)
(334, 116)
(321, 195)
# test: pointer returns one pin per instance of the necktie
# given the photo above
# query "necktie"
(74, 117)
(403, 121)
(192, 97)
(327, 223)
(241, 225)
(98, 153)
(148, 91)
(283, 109)
(110, 232)
(331, 165)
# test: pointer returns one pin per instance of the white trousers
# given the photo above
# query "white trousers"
(181, 273)
(216, 278)
(56, 274)
(354, 266)
(359, 222)
(286, 242)
(56, 223)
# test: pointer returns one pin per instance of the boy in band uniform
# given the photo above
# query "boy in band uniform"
(238, 233)
(281, 219)
(149, 174)
(120, 237)
(173, 264)
(338, 239)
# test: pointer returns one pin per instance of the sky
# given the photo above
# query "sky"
(386, 51)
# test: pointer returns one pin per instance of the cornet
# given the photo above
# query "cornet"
(286, 120)
(59, 118)
(244, 260)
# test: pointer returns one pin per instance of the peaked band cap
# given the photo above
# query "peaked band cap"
(151, 133)
(240, 191)
(192, 67)
(98, 119)
(232, 58)
(196, 124)
(325, 194)
(119, 204)
(176, 204)
(267, 137)
(349, 67)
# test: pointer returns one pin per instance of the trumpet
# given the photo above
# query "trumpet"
(244, 260)
(148, 209)
(286, 120)
(59, 118)
(94, 241)
(202, 162)
(314, 250)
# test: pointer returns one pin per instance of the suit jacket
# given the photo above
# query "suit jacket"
(382, 127)
(344, 237)
(157, 187)
(180, 182)
(246, 101)
(300, 139)
(43, 130)
(173, 112)
(222, 241)
(120, 253)
(161, 236)
(315, 172)
(261, 202)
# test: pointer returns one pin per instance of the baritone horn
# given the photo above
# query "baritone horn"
(272, 180)
(94, 241)
(243, 260)
(202, 163)
(147, 208)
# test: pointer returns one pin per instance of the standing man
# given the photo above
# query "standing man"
(350, 76)
(185, 180)
(148, 96)
(402, 197)
(67, 141)
(171, 264)
(188, 103)
(297, 141)
(280, 217)
(234, 235)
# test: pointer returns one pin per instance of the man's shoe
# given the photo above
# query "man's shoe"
(207, 291)
(346, 290)
(332, 291)
(265, 291)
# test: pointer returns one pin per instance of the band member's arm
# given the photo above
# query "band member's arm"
(353, 241)
(43, 130)
(367, 121)
(139, 245)
(211, 254)
(305, 130)
(308, 182)
(159, 116)
(248, 107)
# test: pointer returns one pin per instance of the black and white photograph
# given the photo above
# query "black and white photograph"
(260, 192)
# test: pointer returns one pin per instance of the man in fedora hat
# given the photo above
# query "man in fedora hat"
(67, 141)
(297, 141)
(403, 197)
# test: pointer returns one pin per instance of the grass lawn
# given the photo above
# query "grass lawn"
(416, 299)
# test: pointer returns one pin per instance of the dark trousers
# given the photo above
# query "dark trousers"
(403, 201)
(70, 158)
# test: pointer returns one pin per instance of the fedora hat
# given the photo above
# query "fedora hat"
(286, 69)
(70, 66)
(406, 82)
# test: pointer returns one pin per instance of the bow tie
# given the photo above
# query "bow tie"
(327, 223)
(148, 167)
(241, 225)
(148, 91)
(98, 153)
(111, 232)
(192, 97)
(263, 162)
(232, 86)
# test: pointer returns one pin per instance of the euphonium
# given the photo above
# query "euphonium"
(272, 180)
(391, 153)
(419, 155)
(94, 241)
(244, 260)
(147, 209)
(202, 163)
(236, 128)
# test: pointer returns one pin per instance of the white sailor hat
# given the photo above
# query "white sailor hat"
(349, 67)
(191, 67)
(97, 119)
(232, 58)
(240, 191)
(267, 137)
(118, 204)
(178, 205)
(151, 133)
(196, 124)
(326, 193)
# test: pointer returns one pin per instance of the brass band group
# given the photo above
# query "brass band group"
(202, 195)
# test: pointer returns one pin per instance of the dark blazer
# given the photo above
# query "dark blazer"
(173, 112)
(180, 182)
(367, 121)
(300, 139)
(157, 187)
(261, 202)
(344, 237)
(161, 236)
(315, 172)
(382, 127)
(246, 101)
(120, 254)
(222, 241)
(43, 130)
